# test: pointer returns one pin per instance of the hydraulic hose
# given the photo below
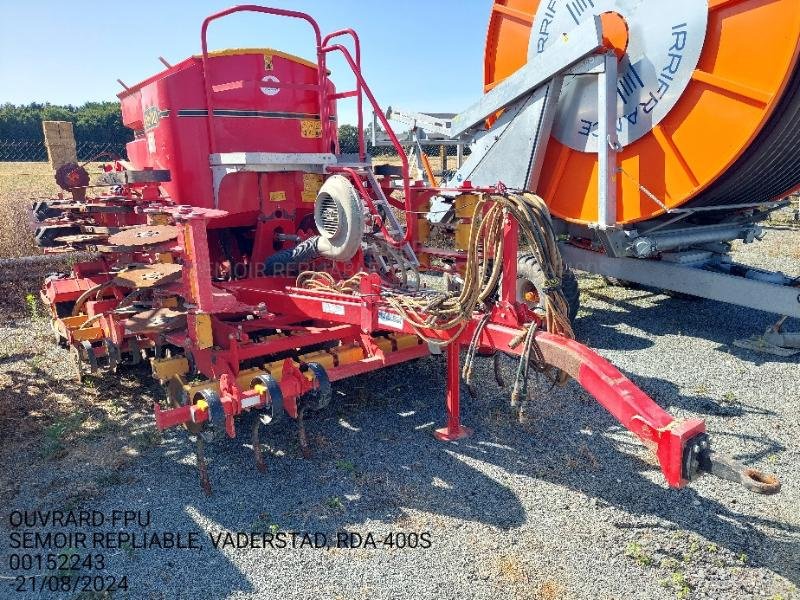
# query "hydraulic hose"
(305, 251)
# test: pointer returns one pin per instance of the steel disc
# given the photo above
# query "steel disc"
(144, 235)
(59, 250)
(156, 320)
(148, 276)
(81, 238)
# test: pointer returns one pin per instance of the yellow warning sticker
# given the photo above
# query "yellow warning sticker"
(311, 128)
(311, 184)
(277, 196)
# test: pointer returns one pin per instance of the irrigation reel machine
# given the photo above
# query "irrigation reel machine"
(655, 163)
(254, 264)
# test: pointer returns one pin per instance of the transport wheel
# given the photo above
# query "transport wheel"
(530, 281)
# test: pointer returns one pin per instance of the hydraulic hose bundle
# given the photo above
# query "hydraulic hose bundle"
(484, 267)
(443, 311)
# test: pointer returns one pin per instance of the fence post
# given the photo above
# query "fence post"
(60, 142)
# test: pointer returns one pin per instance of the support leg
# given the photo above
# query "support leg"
(454, 430)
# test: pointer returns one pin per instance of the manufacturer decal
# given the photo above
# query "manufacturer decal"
(333, 309)
(389, 319)
(151, 117)
(267, 90)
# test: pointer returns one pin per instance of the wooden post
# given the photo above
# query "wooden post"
(443, 158)
(60, 142)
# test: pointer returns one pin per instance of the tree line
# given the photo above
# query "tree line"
(99, 122)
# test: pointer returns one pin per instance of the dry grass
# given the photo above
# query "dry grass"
(516, 581)
(512, 570)
(20, 182)
(550, 590)
(435, 161)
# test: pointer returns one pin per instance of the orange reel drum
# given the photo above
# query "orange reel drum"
(707, 103)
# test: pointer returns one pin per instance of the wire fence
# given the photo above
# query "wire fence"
(35, 150)
(431, 148)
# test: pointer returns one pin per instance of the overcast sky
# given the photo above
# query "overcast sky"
(422, 55)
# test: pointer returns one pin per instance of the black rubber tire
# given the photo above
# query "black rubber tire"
(528, 271)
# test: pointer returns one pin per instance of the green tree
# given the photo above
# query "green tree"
(348, 139)
(99, 122)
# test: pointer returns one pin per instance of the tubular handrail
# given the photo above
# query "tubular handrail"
(322, 74)
(389, 131)
(373, 209)
(362, 153)
(323, 48)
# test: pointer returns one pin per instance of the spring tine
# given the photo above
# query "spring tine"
(498, 376)
(261, 465)
(202, 466)
(301, 433)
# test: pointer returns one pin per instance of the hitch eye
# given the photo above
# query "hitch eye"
(755, 480)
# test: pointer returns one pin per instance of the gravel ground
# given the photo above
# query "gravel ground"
(565, 504)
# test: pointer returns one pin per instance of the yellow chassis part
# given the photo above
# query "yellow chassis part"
(165, 369)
